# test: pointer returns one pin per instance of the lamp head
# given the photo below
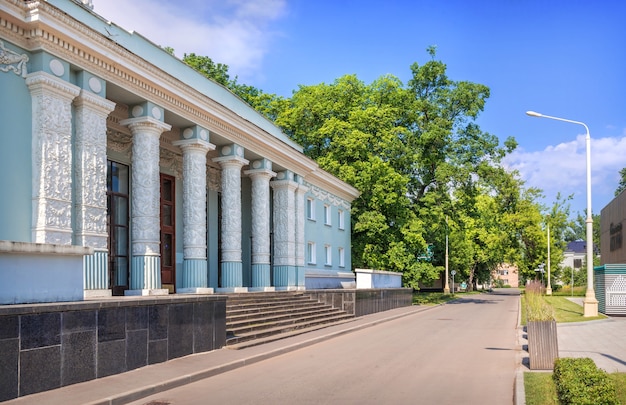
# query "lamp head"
(533, 114)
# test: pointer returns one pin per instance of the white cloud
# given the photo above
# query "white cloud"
(233, 32)
(562, 168)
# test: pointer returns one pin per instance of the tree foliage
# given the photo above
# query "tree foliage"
(423, 166)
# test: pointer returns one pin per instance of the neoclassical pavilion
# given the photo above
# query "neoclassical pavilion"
(127, 172)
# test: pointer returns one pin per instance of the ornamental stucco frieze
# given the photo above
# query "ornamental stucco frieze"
(51, 157)
(325, 196)
(12, 62)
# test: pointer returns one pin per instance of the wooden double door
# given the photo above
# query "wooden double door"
(168, 232)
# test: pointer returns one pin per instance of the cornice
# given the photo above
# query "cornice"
(37, 25)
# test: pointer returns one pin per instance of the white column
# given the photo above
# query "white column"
(299, 233)
(195, 146)
(260, 174)
(285, 275)
(51, 158)
(145, 274)
(90, 148)
(231, 161)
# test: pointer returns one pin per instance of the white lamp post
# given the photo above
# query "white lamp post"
(446, 289)
(549, 287)
(590, 304)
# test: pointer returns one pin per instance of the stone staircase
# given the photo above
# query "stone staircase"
(257, 318)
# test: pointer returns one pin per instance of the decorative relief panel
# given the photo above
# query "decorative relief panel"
(260, 214)
(323, 195)
(120, 142)
(194, 197)
(214, 178)
(231, 207)
(90, 169)
(51, 158)
(171, 161)
(146, 186)
(12, 62)
(284, 222)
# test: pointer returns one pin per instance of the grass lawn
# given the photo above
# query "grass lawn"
(565, 310)
(436, 298)
(540, 388)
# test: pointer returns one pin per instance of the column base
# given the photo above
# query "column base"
(590, 307)
(195, 290)
(90, 294)
(145, 292)
(287, 288)
(548, 290)
(232, 290)
(262, 289)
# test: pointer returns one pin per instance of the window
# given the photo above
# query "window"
(342, 258)
(310, 208)
(328, 253)
(326, 214)
(578, 263)
(310, 252)
(340, 219)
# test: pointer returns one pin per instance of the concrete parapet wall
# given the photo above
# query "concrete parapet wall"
(37, 272)
(47, 346)
(363, 302)
(367, 279)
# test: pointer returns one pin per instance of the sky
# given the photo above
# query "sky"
(561, 58)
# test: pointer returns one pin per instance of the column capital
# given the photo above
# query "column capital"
(230, 161)
(96, 102)
(146, 124)
(39, 81)
(194, 144)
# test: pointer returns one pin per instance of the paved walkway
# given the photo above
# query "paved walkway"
(136, 384)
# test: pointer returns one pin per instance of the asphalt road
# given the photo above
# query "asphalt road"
(459, 353)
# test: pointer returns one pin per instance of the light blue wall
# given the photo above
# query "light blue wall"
(15, 153)
(321, 234)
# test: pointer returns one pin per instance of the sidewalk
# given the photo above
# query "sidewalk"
(604, 341)
(137, 384)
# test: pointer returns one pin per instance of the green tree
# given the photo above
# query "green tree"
(409, 149)
(622, 182)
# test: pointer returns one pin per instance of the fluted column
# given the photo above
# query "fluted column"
(145, 274)
(195, 145)
(51, 157)
(299, 233)
(231, 161)
(260, 174)
(285, 275)
(90, 159)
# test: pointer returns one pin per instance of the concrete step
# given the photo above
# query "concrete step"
(257, 318)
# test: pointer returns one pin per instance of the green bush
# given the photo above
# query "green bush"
(579, 382)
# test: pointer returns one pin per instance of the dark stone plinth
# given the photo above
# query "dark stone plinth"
(39, 369)
(78, 355)
(9, 355)
(157, 351)
(40, 330)
(46, 346)
(136, 349)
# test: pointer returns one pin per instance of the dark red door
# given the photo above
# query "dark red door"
(168, 230)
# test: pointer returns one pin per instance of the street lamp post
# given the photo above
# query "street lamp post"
(446, 289)
(590, 303)
(549, 287)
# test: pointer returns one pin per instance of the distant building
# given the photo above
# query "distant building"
(506, 273)
(612, 218)
(575, 254)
